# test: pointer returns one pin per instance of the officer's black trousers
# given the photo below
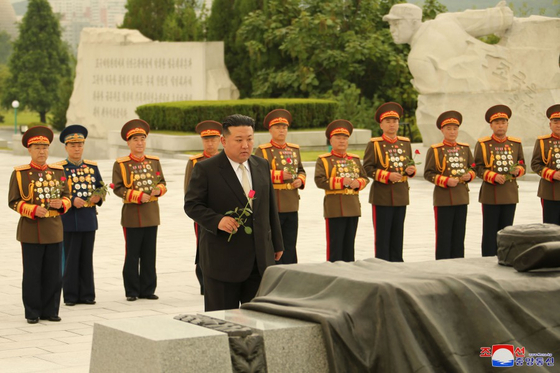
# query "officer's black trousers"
(495, 218)
(388, 226)
(139, 272)
(450, 231)
(341, 234)
(289, 224)
(77, 281)
(551, 211)
(42, 279)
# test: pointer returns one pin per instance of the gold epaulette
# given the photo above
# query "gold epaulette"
(325, 155)
(266, 145)
(291, 145)
(198, 156)
(402, 138)
(155, 158)
(463, 144)
(123, 159)
(56, 166)
(514, 139)
(353, 155)
(437, 145)
(91, 163)
(374, 139)
(22, 167)
(63, 162)
(544, 137)
(484, 139)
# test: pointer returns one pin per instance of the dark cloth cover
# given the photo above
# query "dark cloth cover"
(417, 317)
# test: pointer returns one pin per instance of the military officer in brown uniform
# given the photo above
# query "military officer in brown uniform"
(138, 180)
(546, 163)
(39, 193)
(499, 162)
(288, 175)
(210, 132)
(388, 160)
(342, 176)
(448, 166)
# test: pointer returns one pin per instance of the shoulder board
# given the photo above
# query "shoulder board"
(56, 166)
(198, 156)
(123, 159)
(292, 145)
(402, 138)
(22, 167)
(156, 158)
(325, 155)
(545, 137)
(437, 145)
(266, 145)
(92, 163)
(353, 155)
(62, 163)
(463, 144)
(373, 139)
(514, 139)
(484, 139)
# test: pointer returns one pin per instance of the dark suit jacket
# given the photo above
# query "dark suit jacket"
(215, 189)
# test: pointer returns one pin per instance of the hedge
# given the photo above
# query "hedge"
(184, 115)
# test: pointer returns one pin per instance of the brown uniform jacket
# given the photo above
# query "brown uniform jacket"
(444, 161)
(330, 171)
(31, 187)
(131, 178)
(190, 165)
(492, 158)
(286, 158)
(545, 162)
(383, 156)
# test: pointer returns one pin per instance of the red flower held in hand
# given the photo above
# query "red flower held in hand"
(417, 151)
(251, 193)
(473, 165)
(112, 186)
(62, 178)
(157, 173)
(521, 162)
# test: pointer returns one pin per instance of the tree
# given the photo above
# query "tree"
(5, 47)
(148, 16)
(183, 24)
(39, 61)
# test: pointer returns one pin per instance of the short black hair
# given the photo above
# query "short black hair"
(237, 120)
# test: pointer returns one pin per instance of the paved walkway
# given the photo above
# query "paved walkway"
(66, 346)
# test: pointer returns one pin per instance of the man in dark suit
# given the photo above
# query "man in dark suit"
(233, 258)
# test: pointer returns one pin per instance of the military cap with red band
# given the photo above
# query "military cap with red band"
(277, 116)
(388, 110)
(38, 135)
(339, 127)
(449, 117)
(553, 112)
(134, 127)
(208, 128)
(497, 112)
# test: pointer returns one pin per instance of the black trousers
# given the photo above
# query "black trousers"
(77, 281)
(197, 267)
(388, 226)
(289, 222)
(341, 235)
(495, 218)
(220, 295)
(551, 211)
(42, 279)
(450, 231)
(139, 272)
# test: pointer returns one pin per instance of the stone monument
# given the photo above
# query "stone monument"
(8, 19)
(453, 70)
(120, 69)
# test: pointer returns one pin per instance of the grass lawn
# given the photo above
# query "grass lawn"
(24, 117)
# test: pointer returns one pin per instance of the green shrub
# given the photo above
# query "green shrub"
(184, 115)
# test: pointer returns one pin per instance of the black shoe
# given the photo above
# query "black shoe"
(51, 318)
(152, 297)
(88, 301)
(70, 304)
(33, 321)
(131, 299)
